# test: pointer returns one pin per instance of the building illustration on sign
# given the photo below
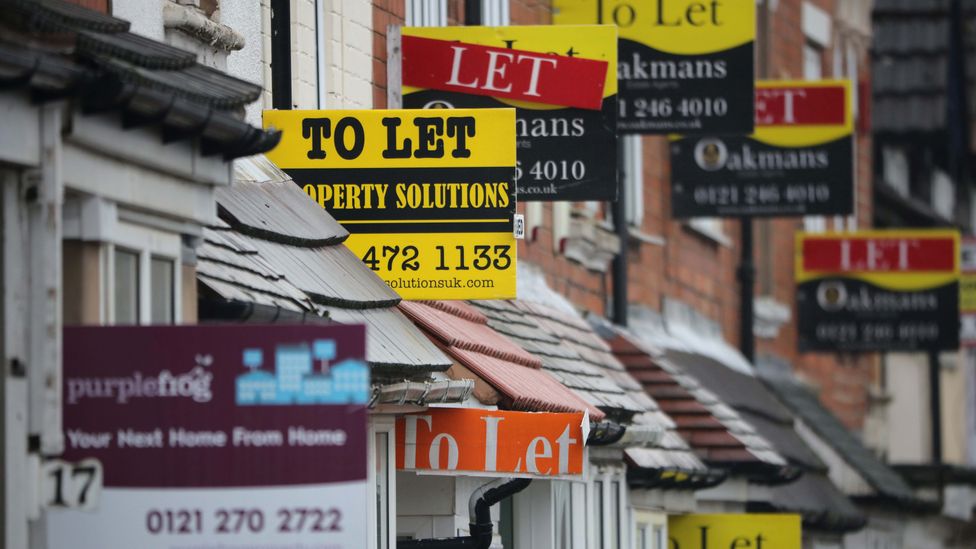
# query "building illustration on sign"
(297, 381)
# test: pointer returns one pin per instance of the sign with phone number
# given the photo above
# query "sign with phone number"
(428, 197)
(562, 81)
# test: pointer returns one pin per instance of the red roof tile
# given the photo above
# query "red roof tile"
(699, 417)
(511, 370)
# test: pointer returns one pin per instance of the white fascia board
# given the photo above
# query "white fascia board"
(138, 187)
(20, 140)
(144, 147)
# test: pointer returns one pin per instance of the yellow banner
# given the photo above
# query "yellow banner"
(428, 196)
(409, 138)
(967, 292)
(734, 531)
(683, 27)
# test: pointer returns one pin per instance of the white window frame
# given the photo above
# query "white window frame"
(377, 425)
(426, 13)
(633, 179)
(608, 477)
(146, 243)
(495, 13)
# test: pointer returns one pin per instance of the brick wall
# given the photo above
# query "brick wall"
(671, 259)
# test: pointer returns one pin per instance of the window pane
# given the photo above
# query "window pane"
(598, 511)
(126, 287)
(562, 503)
(161, 278)
(382, 491)
(614, 523)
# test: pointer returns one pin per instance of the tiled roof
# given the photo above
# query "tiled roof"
(717, 433)
(275, 248)
(818, 501)
(805, 404)
(754, 403)
(910, 64)
(55, 49)
(568, 350)
(463, 332)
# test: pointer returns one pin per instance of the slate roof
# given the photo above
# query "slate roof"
(463, 332)
(57, 50)
(569, 351)
(909, 71)
(274, 248)
(716, 432)
(817, 500)
(802, 401)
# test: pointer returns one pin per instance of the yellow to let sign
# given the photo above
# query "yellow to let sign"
(752, 531)
(428, 196)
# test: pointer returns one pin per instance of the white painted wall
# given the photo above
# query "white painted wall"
(146, 16)
(252, 19)
(348, 53)
(907, 384)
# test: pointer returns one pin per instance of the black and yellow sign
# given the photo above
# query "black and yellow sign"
(564, 153)
(684, 66)
(878, 290)
(756, 531)
(799, 161)
(427, 196)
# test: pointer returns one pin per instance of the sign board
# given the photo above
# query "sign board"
(215, 436)
(685, 66)
(878, 290)
(428, 197)
(967, 293)
(447, 440)
(779, 531)
(799, 161)
(562, 81)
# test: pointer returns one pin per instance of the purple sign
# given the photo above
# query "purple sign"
(199, 412)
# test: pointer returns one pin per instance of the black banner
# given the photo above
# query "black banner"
(849, 314)
(741, 176)
(564, 154)
(660, 92)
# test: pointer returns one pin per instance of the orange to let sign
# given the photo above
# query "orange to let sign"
(489, 441)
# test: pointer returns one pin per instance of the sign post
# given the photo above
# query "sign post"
(212, 436)
(878, 291)
(428, 197)
(799, 160)
(685, 66)
(562, 80)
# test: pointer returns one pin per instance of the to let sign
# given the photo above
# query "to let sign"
(878, 291)
(486, 441)
(684, 65)
(756, 531)
(428, 197)
(561, 80)
(211, 436)
(799, 160)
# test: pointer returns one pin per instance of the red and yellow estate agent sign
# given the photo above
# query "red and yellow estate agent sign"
(799, 161)
(754, 531)
(878, 290)
(428, 197)
(562, 81)
(684, 65)
(489, 441)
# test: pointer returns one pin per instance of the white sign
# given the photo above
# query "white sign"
(65, 484)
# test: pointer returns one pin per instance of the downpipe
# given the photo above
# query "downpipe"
(479, 511)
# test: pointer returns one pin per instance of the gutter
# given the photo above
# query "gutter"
(479, 509)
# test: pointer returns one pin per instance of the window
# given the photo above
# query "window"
(382, 491)
(598, 511)
(633, 179)
(126, 287)
(381, 513)
(141, 284)
(494, 13)
(614, 520)
(563, 505)
(161, 277)
(426, 13)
